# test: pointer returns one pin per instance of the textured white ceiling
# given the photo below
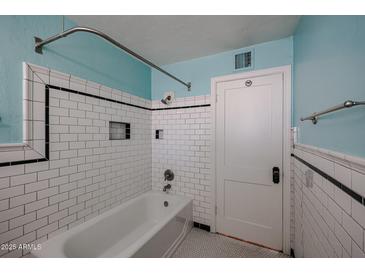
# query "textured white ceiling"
(169, 39)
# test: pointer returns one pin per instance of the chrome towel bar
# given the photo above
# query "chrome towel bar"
(347, 104)
(39, 43)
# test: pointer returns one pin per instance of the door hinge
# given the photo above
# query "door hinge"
(216, 210)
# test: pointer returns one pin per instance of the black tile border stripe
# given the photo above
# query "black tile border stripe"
(23, 162)
(46, 138)
(47, 87)
(194, 106)
(96, 96)
(202, 226)
(338, 184)
(121, 102)
(47, 123)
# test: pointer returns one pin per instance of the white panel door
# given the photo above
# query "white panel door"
(249, 144)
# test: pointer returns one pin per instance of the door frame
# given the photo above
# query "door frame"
(286, 71)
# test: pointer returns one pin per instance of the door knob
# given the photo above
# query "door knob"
(275, 175)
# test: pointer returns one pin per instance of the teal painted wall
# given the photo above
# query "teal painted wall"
(329, 68)
(199, 71)
(83, 55)
(329, 64)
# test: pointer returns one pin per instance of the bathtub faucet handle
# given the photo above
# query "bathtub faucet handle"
(168, 175)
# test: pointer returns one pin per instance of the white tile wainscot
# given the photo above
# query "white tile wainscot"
(185, 149)
(328, 221)
(87, 174)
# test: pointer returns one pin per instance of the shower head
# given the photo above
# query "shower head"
(167, 100)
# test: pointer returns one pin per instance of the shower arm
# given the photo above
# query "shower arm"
(39, 43)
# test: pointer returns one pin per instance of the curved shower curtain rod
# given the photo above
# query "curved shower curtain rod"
(39, 43)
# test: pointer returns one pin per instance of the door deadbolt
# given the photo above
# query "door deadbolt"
(275, 175)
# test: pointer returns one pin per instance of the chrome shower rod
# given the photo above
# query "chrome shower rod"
(39, 43)
(346, 104)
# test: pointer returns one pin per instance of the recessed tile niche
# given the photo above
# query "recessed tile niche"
(119, 131)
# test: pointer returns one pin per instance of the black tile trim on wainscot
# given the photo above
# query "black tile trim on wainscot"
(202, 226)
(338, 184)
(46, 138)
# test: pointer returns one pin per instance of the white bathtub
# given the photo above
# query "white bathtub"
(141, 227)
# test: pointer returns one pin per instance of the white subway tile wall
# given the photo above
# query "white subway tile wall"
(185, 149)
(87, 173)
(328, 222)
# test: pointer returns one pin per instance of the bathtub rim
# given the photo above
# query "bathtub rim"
(57, 250)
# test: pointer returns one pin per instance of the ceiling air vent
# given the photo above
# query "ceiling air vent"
(243, 60)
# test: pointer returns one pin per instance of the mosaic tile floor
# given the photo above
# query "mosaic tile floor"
(201, 244)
